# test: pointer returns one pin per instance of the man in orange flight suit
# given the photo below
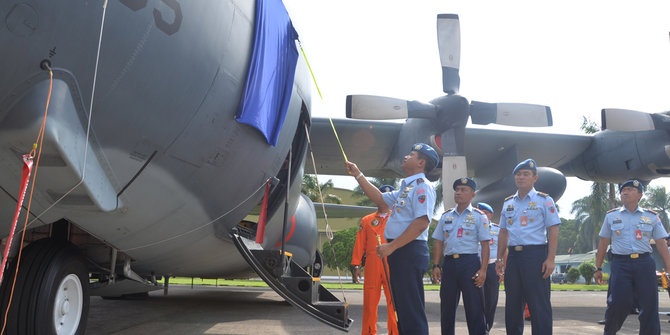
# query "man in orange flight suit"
(375, 277)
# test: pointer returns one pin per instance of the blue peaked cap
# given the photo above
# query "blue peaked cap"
(427, 150)
(465, 181)
(632, 183)
(485, 206)
(528, 164)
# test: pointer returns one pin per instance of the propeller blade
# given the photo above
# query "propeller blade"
(510, 114)
(453, 167)
(371, 107)
(449, 45)
(626, 120)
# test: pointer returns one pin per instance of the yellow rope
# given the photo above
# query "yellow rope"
(321, 96)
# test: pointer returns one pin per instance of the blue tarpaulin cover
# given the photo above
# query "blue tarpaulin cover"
(270, 80)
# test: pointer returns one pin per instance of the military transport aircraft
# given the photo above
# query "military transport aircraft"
(169, 121)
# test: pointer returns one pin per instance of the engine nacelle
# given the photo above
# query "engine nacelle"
(616, 156)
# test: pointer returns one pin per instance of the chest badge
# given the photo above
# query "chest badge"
(375, 222)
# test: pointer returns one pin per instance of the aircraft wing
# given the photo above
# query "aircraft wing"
(343, 211)
(378, 147)
(369, 144)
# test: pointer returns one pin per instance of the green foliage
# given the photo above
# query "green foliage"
(310, 188)
(589, 126)
(567, 235)
(587, 269)
(573, 275)
(657, 199)
(379, 182)
(343, 245)
(589, 213)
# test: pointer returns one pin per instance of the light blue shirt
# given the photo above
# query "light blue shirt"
(462, 233)
(527, 219)
(631, 232)
(494, 230)
(415, 198)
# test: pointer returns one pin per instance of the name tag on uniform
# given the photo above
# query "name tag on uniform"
(460, 232)
(524, 220)
(638, 234)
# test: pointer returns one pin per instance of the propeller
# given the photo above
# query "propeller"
(450, 112)
(631, 120)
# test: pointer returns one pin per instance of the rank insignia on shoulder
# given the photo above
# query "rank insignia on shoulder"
(612, 210)
(510, 197)
(479, 211)
(650, 211)
(542, 194)
(419, 181)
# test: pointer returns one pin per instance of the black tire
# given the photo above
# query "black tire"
(47, 269)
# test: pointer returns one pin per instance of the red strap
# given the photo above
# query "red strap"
(27, 168)
(260, 228)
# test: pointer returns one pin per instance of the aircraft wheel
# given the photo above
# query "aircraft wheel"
(51, 292)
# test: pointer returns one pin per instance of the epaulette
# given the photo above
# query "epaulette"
(612, 210)
(542, 194)
(510, 197)
(479, 211)
(650, 211)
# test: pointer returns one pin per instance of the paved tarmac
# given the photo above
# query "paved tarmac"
(241, 310)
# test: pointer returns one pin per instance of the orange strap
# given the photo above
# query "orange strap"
(27, 168)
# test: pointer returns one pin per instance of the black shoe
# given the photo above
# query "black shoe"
(601, 322)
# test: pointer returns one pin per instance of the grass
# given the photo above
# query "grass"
(351, 286)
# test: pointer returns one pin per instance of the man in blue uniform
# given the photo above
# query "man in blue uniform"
(492, 283)
(459, 234)
(407, 233)
(529, 226)
(633, 269)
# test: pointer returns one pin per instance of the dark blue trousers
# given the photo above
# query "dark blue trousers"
(407, 266)
(630, 279)
(524, 282)
(491, 288)
(456, 279)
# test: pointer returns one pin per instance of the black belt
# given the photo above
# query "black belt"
(633, 256)
(519, 248)
(457, 256)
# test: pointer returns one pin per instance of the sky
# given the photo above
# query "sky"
(575, 56)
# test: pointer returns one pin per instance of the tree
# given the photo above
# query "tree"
(589, 213)
(587, 270)
(379, 182)
(311, 190)
(657, 199)
(567, 237)
(339, 255)
(573, 275)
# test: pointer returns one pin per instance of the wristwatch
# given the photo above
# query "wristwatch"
(499, 260)
(357, 266)
(599, 269)
(437, 266)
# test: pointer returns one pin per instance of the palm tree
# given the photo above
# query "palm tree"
(589, 214)
(311, 190)
(658, 200)
(379, 182)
